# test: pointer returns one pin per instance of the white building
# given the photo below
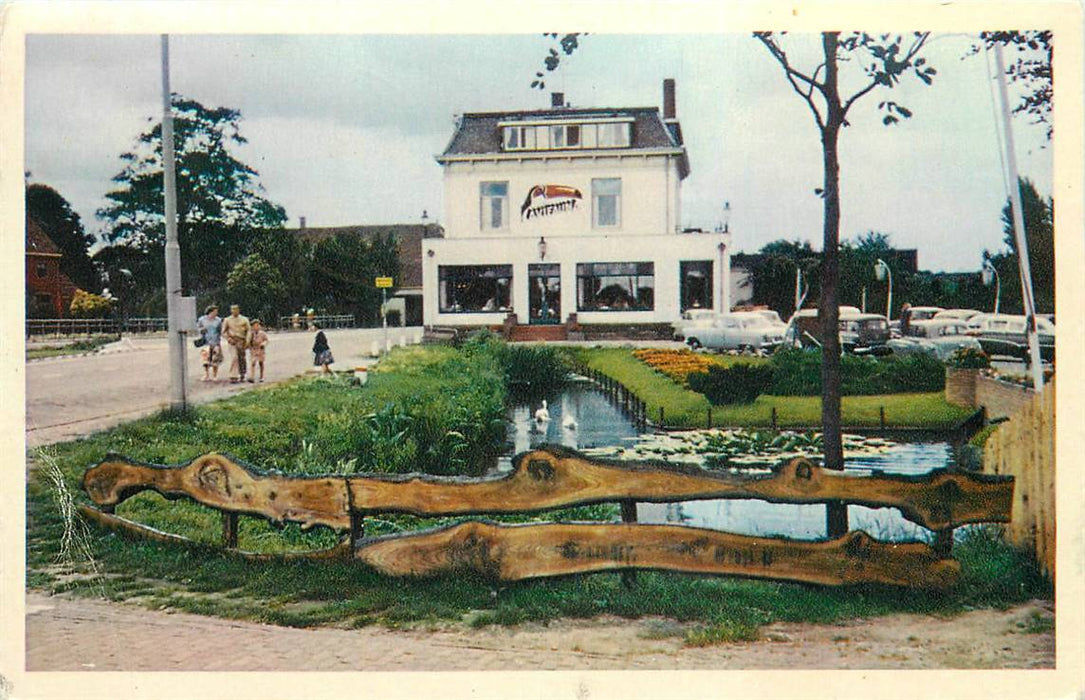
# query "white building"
(569, 211)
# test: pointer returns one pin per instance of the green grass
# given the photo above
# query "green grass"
(684, 408)
(76, 348)
(298, 427)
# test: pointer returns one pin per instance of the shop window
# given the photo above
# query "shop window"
(615, 286)
(474, 288)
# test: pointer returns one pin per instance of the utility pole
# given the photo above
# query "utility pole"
(173, 249)
(1019, 236)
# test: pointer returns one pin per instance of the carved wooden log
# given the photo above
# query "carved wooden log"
(221, 482)
(545, 478)
(512, 553)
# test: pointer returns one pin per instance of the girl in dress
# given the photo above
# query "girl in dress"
(322, 353)
(256, 349)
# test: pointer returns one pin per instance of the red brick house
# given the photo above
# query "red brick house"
(49, 292)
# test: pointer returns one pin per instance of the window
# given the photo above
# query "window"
(696, 292)
(41, 270)
(543, 136)
(474, 288)
(613, 135)
(494, 204)
(615, 286)
(606, 199)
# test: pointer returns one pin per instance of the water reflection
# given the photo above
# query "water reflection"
(600, 424)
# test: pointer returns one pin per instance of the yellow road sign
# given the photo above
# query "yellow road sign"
(383, 282)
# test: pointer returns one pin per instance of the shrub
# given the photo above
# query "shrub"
(740, 383)
(969, 358)
(529, 370)
(798, 373)
(676, 364)
(90, 305)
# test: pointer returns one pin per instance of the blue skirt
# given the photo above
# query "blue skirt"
(324, 357)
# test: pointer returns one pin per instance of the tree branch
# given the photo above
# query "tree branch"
(791, 74)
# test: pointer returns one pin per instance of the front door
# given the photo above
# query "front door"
(544, 293)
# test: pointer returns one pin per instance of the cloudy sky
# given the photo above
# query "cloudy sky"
(344, 129)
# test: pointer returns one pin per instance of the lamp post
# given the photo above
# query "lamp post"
(882, 271)
(989, 273)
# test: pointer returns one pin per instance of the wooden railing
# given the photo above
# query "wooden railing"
(555, 477)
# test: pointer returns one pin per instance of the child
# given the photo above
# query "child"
(322, 354)
(256, 349)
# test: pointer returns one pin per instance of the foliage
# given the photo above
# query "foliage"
(740, 383)
(798, 373)
(530, 371)
(257, 287)
(969, 358)
(1030, 69)
(89, 305)
(1040, 233)
(568, 43)
(678, 364)
(59, 221)
(221, 207)
(342, 271)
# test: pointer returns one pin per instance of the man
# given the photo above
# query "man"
(238, 333)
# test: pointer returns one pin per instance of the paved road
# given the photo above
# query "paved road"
(73, 396)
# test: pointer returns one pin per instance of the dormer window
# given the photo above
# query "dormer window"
(615, 132)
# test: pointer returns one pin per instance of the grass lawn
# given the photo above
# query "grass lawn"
(76, 348)
(311, 425)
(689, 409)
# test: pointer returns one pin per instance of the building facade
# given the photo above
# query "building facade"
(49, 292)
(563, 212)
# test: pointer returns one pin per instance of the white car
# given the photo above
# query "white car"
(742, 330)
(692, 318)
(1004, 335)
(939, 337)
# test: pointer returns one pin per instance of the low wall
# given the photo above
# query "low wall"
(969, 387)
(1024, 447)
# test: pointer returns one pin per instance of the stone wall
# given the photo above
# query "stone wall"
(1001, 399)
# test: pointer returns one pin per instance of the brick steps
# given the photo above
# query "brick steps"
(525, 333)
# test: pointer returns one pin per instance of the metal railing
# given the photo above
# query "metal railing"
(59, 327)
(287, 323)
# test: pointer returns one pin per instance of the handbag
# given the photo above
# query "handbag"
(199, 342)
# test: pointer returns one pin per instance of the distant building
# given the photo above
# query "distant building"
(551, 213)
(407, 299)
(49, 292)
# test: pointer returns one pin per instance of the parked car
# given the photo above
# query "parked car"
(911, 314)
(939, 337)
(743, 330)
(863, 334)
(956, 314)
(860, 333)
(692, 318)
(1004, 335)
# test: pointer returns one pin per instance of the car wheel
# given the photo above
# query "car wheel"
(693, 343)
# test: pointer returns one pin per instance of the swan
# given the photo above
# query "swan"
(542, 415)
(569, 423)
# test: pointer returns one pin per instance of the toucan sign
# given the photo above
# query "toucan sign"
(544, 200)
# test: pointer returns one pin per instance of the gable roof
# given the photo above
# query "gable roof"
(37, 241)
(408, 239)
(478, 133)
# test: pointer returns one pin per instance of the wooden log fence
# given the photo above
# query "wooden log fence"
(555, 477)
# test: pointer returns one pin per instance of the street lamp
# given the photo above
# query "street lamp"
(989, 273)
(542, 248)
(882, 271)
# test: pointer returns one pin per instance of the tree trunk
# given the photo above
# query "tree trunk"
(829, 305)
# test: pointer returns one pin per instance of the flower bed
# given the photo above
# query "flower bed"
(676, 364)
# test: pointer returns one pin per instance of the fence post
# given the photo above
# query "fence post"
(629, 515)
(709, 417)
(357, 529)
(661, 423)
(881, 415)
(943, 543)
(775, 424)
(229, 530)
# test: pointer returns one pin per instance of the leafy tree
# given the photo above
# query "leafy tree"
(1040, 231)
(55, 216)
(773, 274)
(220, 203)
(342, 273)
(258, 288)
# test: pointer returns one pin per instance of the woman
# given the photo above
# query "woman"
(210, 327)
(322, 354)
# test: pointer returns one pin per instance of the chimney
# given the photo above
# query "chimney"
(668, 99)
(557, 100)
(301, 222)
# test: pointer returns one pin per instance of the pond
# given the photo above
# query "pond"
(602, 430)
